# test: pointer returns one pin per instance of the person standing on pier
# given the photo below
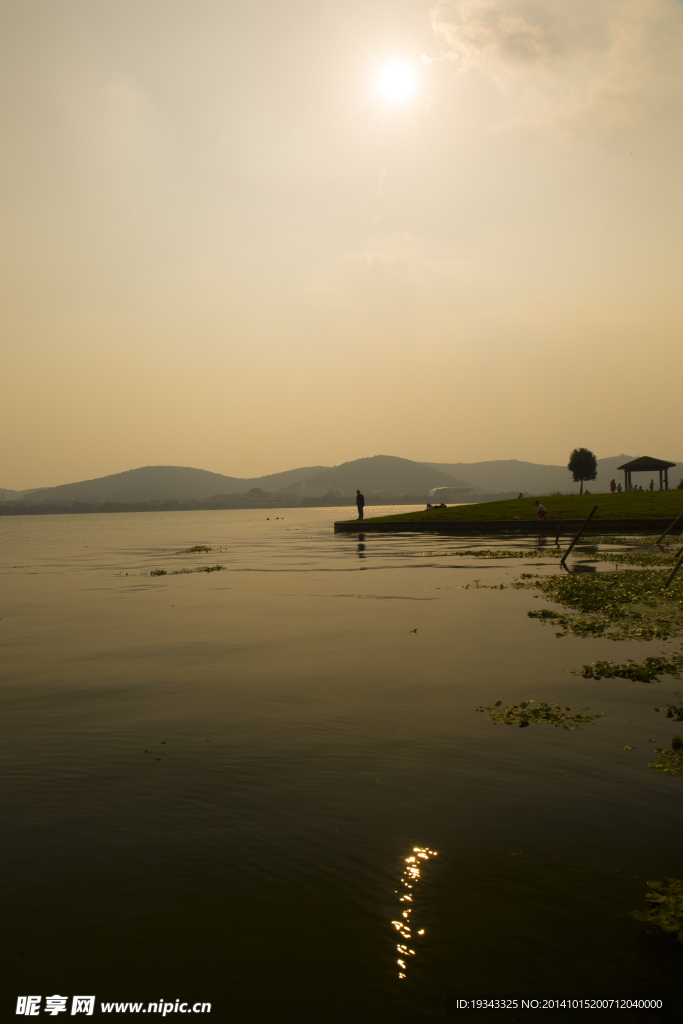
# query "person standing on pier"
(360, 504)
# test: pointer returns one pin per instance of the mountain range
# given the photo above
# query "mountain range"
(380, 474)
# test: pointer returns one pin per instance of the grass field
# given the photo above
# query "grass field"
(634, 505)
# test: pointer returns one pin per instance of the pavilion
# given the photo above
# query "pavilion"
(646, 464)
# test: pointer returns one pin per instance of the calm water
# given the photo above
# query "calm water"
(212, 781)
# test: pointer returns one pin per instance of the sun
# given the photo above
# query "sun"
(396, 82)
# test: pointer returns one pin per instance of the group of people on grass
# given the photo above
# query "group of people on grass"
(617, 488)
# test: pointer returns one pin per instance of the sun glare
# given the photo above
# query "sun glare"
(396, 82)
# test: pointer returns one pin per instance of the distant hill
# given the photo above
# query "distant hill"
(154, 483)
(534, 478)
(6, 494)
(379, 475)
(383, 474)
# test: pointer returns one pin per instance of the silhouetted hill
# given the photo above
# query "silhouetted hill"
(155, 483)
(10, 495)
(534, 478)
(384, 474)
(381, 474)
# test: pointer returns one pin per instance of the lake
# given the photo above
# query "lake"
(214, 781)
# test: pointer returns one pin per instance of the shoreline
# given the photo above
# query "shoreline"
(541, 527)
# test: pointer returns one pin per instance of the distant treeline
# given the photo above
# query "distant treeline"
(263, 501)
(25, 508)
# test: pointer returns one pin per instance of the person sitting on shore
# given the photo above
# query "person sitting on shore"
(618, 488)
(541, 509)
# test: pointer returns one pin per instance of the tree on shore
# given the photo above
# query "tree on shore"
(582, 465)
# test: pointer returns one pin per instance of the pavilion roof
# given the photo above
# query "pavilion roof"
(646, 464)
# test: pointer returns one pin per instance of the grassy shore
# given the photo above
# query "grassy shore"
(634, 505)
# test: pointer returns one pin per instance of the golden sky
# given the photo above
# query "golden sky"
(247, 237)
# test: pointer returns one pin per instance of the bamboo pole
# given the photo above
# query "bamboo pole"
(660, 539)
(559, 531)
(675, 569)
(583, 527)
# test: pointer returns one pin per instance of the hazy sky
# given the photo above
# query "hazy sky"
(226, 246)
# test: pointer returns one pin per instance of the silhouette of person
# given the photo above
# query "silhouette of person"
(360, 504)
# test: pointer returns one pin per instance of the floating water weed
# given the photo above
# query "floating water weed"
(642, 558)
(200, 568)
(196, 548)
(492, 553)
(673, 711)
(633, 541)
(620, 606)
(666, 907)
(547, 613)
(185, 572)
(670, 762)
(544, 714)
(644, 672)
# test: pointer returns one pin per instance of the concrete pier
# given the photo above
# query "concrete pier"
(538, 527)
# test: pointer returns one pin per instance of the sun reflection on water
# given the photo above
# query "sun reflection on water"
(409, 879)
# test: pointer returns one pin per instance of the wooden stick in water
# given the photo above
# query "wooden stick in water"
(668, 529)
(675, 569)
(583, 527)
(559, 531)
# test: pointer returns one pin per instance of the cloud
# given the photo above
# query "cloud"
(583, 64)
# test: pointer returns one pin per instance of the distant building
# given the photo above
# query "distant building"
(255, 498)
(318, 490)
(452, 494)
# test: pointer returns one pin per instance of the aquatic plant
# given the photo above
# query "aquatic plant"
(673, 710)
(670, 762)
(185, 572)
(619, 606)
(199, 568)
(644, 672)
(548, 615)
(631, 541)
(493, 553)
(544, 714)
(666, 907)
(196, 548)
(642, 558)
